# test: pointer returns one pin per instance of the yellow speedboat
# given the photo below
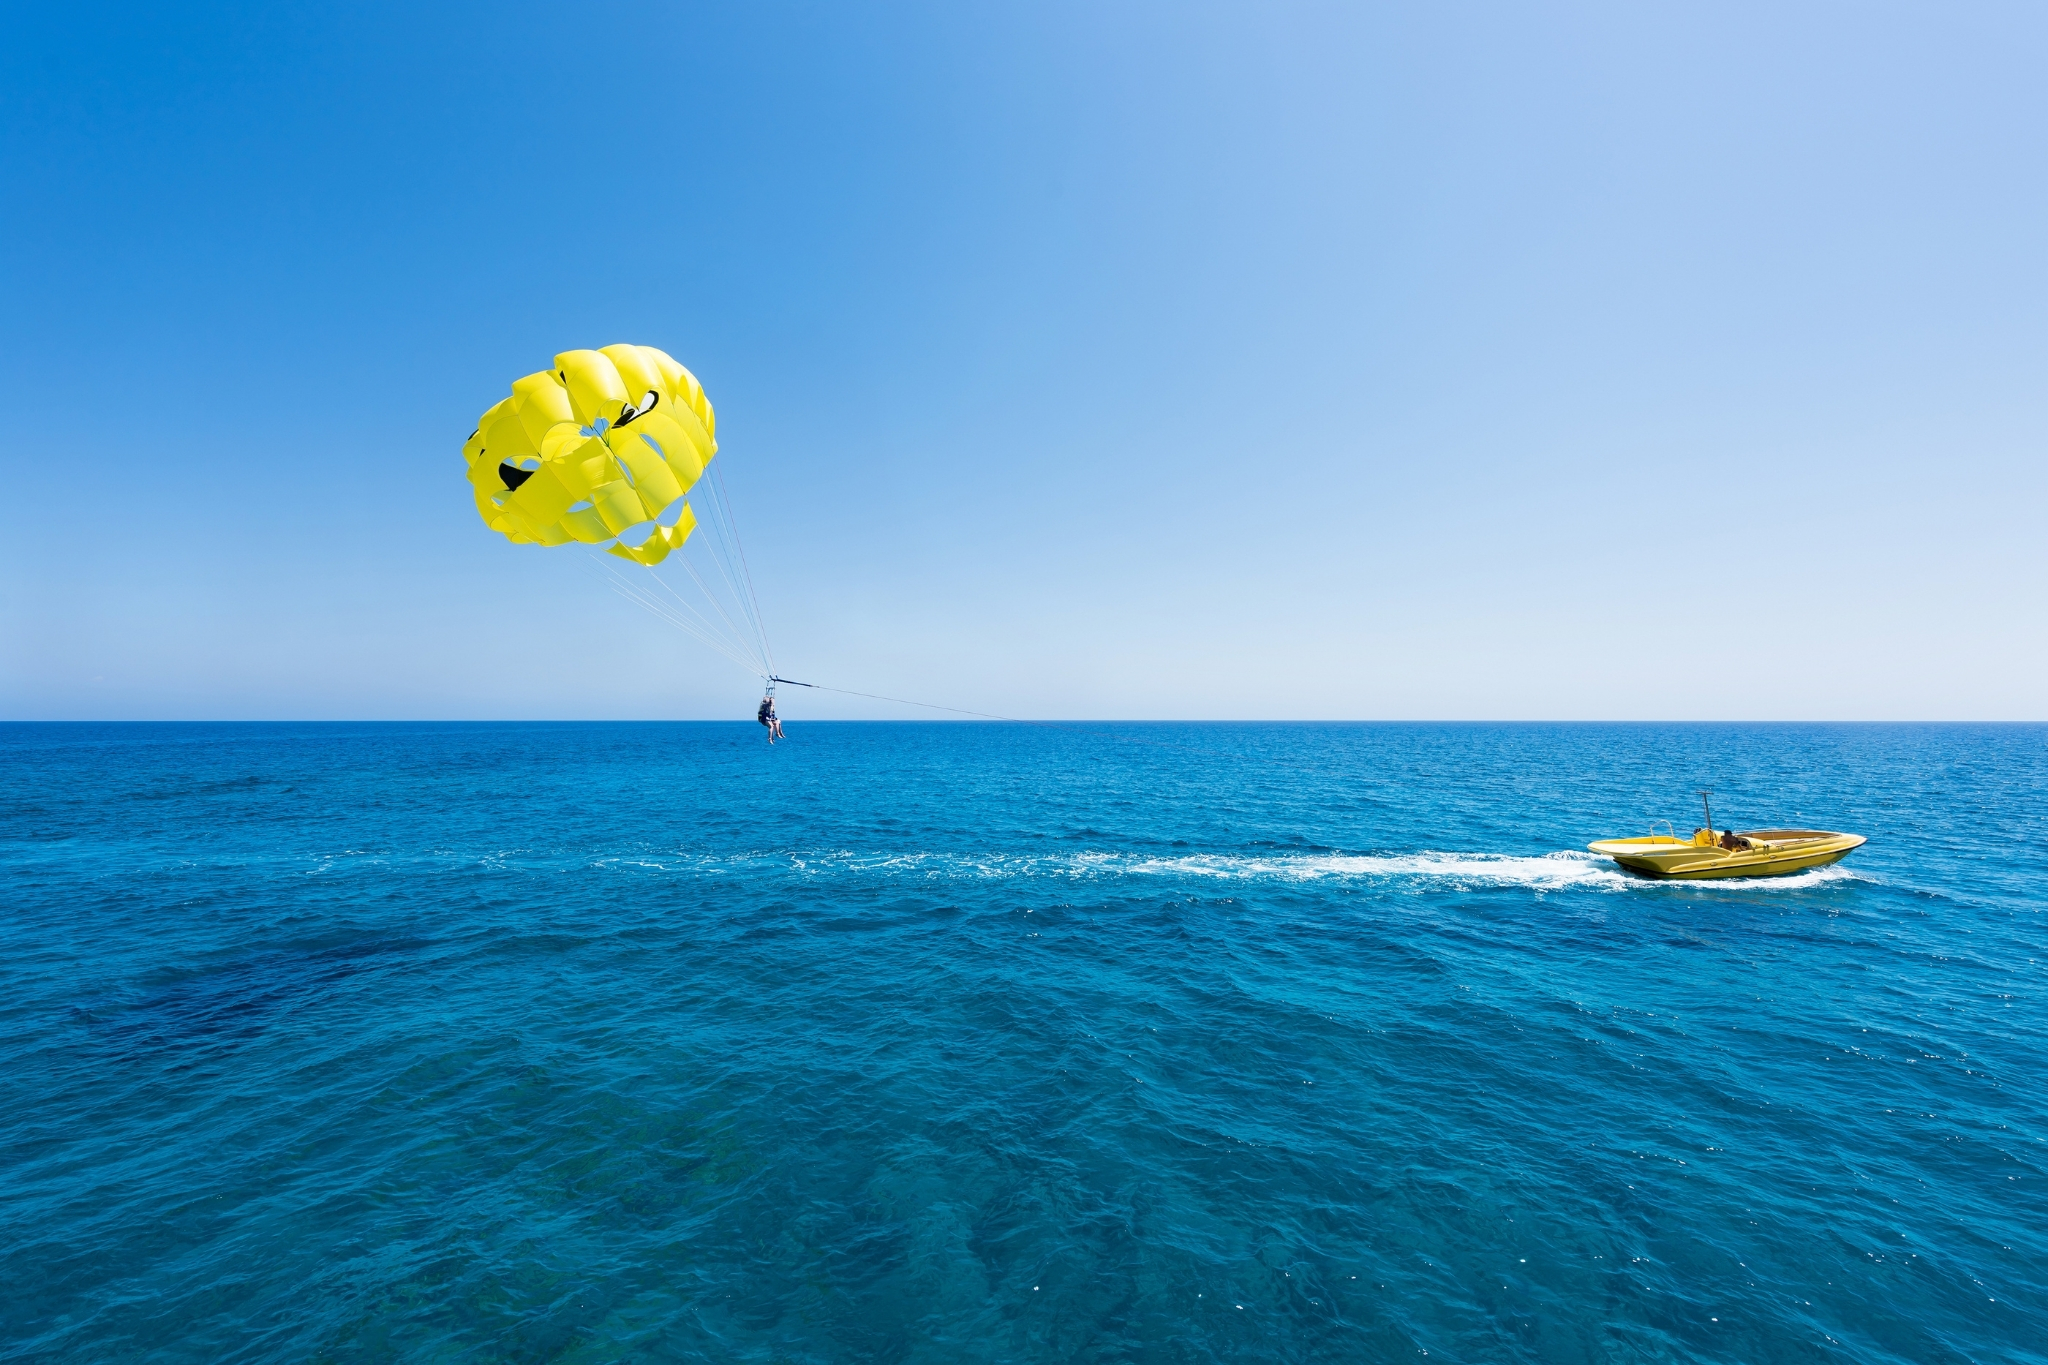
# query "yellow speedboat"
(1751, 853)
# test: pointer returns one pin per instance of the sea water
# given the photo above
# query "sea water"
(961, 1042)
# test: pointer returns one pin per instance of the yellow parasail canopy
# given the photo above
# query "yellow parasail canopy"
(597, 450)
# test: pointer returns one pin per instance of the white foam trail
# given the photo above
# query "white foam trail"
(1487, 869)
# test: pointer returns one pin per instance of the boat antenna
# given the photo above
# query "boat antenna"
(1707, 806)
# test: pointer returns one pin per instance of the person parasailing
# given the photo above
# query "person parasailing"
(611, 451)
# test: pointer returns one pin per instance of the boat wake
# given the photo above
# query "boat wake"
(1550, 870)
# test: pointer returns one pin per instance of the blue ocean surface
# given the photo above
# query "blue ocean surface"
(965, 1042)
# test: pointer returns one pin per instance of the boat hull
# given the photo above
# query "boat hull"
(1774, 853)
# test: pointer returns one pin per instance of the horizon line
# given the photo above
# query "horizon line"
(985, 720)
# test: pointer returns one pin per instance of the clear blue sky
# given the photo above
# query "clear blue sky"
(1071, 360)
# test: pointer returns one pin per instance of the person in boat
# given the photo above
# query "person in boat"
(1731, 842)
(768, 719)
